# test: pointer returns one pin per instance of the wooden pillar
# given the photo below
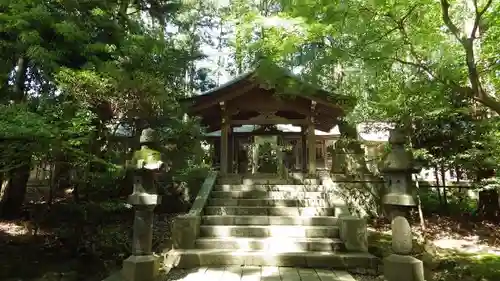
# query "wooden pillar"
(217, 153)
(224, 141)
(325, 153)
(236, 145)
(255, 155)
(311, 142)
(280, 156)
(303, 144)
(296, 153)
(230, 151)
(311, 154)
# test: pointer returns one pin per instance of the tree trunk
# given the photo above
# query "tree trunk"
(443, 181)
(14, 183)
(419, 205)
(438, 189)
(488, 206)
(476, 89)
(13, 191)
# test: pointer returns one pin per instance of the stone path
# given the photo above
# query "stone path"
(258, 273)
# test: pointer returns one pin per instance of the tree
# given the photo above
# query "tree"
(79, 71)
(354, 45)
(400, 59)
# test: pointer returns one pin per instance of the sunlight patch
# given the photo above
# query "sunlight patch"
(13, 229)
(470, 245)
(268, 271)
(199, 274)
(287, 231)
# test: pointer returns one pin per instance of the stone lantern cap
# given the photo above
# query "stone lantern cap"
(396, 136)
(399, 199)
(144, 199)
(398, 160)
(148, 136)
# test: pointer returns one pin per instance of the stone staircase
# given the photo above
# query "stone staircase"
(271, 221)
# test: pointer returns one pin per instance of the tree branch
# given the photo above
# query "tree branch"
(479, 14)
(406, 40)
(380, 37)
(400, 21)
(422, 67)
(445, 10)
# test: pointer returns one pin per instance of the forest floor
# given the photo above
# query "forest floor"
(451, 247)
(455, 248)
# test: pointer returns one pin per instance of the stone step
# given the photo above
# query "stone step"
(269, 220)
(265, 180)
(267, 194)
(274, 211)
(275, 231)
(271, 244)
(249, 181)
(209, 257)
(272, 202)
(271, 187)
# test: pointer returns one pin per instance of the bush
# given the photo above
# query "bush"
(456, 203)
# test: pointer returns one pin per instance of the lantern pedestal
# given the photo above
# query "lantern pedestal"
(407, 268)
(399, 200)
(143, 268)
(353, 233)
(143, 265)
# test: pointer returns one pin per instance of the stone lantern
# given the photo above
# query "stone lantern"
(398, 171)
(146, 163)
(399, 199)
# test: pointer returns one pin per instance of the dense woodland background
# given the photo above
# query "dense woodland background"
(75, 75)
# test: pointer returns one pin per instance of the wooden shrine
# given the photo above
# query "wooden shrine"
(259, 98)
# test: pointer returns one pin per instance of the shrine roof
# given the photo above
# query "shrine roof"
(268, 88)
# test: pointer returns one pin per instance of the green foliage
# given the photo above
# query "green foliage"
(91, 71)
(23, 134)
(457, 266)
(443, 265)
(456, 203)
(268, 162)
(17, 121)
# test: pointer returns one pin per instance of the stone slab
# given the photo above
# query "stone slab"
(268, 220)
(402, 242)
(268, 194)
(271, 187)
(353, 232)
(197, 257)
(228, 202)
(276, 231)
(399, 267)
(141, 268)
(185, 230)
(259, 273)
(271, 244)
(202, 196)
(144, 199)
(271, 211)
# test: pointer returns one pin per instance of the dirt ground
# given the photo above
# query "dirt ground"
(459, 248)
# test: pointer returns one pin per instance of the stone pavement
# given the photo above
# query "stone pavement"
(258, 273)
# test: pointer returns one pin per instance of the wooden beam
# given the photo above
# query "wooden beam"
(224, 140)
(233, 94)
(268, 122)
(311, 143)
(256, 103)
(326, 103)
